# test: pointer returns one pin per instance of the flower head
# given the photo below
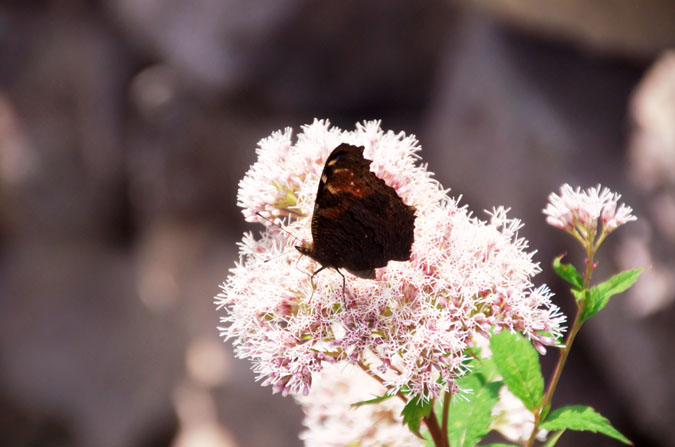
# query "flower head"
(577, 212)
(411, 324)
(512, 419)
(332, 420)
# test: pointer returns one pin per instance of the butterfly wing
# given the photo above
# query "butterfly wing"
(359, 222)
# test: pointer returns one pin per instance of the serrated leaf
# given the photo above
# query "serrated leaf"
(580, 295)
(544, 412)
(551, 441)
(582, 418)
(568, 272)
(469, 421)
(375, 400)
(518, 364)
(413, 412)
(487, 368)
(600, 294)
(484, 367)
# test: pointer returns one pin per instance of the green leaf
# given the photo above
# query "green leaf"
(544, 412)
(518, 363)
(600, 294)
(414, 411)
(582, 418)
(568, 272)
(580, 296)
(501, 445)
(550, 442)
(469, 421)
(485, 368)
(376, 400)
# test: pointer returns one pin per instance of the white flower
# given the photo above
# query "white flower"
(331, 420)
(577, 212)
(412, 323)
(512, 419)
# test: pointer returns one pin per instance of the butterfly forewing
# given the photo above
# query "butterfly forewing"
(359, 223)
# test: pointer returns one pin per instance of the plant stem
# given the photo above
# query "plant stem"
(381, 380)
(434, 430)
(440, 439)
(564, 352)
(589, 267)
(533, 435)
(444, 417)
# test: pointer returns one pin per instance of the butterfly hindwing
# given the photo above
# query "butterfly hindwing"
(359, 222)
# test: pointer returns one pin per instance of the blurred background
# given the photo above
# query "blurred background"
(125, 126)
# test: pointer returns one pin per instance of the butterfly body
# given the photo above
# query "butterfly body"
(359, 222)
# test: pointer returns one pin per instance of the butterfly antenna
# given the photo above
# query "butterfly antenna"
(280, 227)
(278, 256)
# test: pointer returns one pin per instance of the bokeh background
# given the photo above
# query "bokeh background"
(125, 126)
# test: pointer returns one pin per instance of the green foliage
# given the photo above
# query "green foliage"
(414, 411)
(545, 411)
(581, 418)
(518, 363)
(469, 420)
(598, 296)
(552, 439)
(581, 296)
(376, 400)
(484, 367)
(568, 273)
(501, 445)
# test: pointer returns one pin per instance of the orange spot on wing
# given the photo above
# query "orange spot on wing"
(344, 180)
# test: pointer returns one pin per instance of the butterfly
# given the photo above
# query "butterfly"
(359, 223)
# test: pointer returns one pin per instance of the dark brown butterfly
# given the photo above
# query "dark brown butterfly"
(359, 223)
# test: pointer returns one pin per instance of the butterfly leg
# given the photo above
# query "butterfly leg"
(311, 278)
(311, 281)
(343, 283)
(299, 269)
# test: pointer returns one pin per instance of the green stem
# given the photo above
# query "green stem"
(564, 352)
(380, 379)
(589, 267)
(400, 395)
(537, 415)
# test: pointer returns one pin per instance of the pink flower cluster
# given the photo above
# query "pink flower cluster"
(331, 420)
(577, 212)
(410, 325)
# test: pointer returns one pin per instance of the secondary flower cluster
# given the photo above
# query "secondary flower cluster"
(331, 420)
(411, 324)
(577, 212)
